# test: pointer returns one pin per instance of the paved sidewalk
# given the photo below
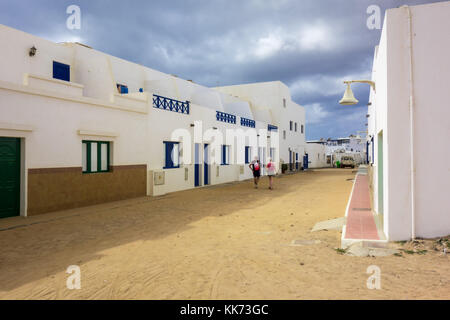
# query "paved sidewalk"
(360, 219)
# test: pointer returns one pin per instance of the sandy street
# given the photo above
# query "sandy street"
(220, 242)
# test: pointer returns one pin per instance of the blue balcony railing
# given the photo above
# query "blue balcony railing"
(272, 128)
(248, 123)
(225, 117)
(168, 104)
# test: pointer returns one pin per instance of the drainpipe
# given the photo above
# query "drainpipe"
(411, 125)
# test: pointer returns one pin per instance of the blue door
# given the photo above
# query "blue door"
(305, 162)
(367, 151)
(296, 161)
(290, 160)
(197, 165)
(206, 165)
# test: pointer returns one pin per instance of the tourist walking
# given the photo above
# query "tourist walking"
(271, 172)
(256, 169)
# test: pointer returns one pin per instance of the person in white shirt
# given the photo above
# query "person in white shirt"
(271, 171)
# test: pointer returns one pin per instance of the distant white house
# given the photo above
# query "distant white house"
(409, 126)
(317, 155)
(325, 153)
(80, 127)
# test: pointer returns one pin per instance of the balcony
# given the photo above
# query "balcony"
(225, 117)
(136, 100)
(168, 104)
(53, 85)
(248, 123)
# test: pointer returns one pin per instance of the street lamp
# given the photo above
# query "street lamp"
(349, 98)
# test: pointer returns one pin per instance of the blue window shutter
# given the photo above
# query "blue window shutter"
(224, 151)
(246, 154)
(61, 71)
(169, 149)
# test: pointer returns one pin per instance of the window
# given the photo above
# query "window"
(284, 134)
(225, 155)
(290, 125)
(247, 154)
(284, 103)
(272, 153)
(296, 127)
(95, 156)
(302, 128)
(172, 155)
(123, 89)
(61, 71)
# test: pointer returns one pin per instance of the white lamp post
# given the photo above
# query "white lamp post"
(349, 98)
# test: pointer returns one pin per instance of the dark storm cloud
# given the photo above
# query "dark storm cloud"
(310, 45)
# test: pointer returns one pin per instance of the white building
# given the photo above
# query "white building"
(271, 103)
(317, 155)
(68, 138)
(409, 125)
(325, 153)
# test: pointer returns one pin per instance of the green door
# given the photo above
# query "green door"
(9, 177)
(380, 173)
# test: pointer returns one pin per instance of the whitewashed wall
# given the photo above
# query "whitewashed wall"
(266, 102)
(390, 111)
(53, 113)
(317, 155)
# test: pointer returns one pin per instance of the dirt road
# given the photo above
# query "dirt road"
(221, 242)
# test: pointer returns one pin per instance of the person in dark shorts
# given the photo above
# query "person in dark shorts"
(256, 169)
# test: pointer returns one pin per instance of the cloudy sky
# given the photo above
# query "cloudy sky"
(311, 45)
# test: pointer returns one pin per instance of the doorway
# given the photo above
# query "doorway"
(197, 165)
(206, 164)
(305, 161)
(9, 177)
(380, 173)
(290, 160)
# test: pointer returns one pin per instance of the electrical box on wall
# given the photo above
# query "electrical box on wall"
(186, 174)
(159, 178)
(241, 169)
(217, 171)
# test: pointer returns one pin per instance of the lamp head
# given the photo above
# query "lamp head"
(348, 99)
(32, 51)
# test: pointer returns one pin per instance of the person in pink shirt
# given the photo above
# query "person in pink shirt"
(271, 172)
